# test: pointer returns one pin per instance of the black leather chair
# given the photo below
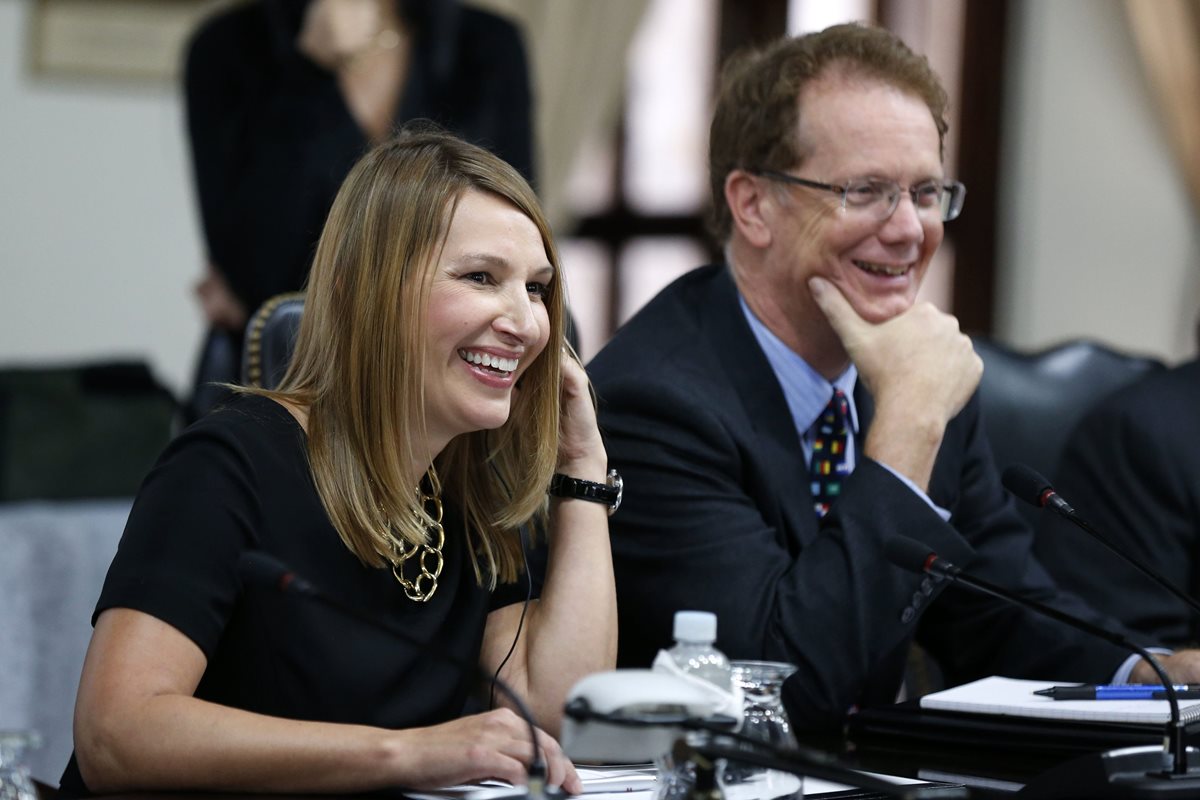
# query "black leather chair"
(270, 339)
(217, 364)
(271, 336)
(1032, 401)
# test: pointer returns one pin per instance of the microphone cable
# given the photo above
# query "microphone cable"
(522, 533)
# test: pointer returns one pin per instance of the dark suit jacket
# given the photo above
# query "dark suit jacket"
(1132, 469)
(717, 515)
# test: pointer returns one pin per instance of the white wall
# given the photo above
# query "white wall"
(1098, 237)
(99, 242)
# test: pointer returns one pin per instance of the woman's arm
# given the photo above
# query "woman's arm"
(138, 726)
(572, 630)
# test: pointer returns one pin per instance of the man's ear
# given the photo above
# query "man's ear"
(745, 195)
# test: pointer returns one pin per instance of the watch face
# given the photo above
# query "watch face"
(616, 482)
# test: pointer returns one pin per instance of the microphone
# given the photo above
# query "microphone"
(1026, 484)
(264, 571)
(916, 557)
(256, 568)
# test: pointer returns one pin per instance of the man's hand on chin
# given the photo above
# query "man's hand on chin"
(1183, 666)
(921, 370)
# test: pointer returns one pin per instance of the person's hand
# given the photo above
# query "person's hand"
(490, 745)
(1182, 666)
(918, 359)
(334, 31)
(222, 308)
(581, 450)
(921, 370)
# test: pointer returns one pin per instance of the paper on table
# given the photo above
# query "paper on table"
(637, 782)
(626, 780)
(1013, 697)
(814, 787)
(618, 779)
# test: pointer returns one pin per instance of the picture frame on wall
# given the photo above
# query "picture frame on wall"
(129, 39)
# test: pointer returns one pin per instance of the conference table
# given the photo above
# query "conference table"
(987, 774)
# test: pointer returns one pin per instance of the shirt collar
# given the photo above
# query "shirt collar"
(806, 391)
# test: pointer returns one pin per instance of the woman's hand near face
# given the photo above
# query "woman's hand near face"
(571, 631)
(581, 450)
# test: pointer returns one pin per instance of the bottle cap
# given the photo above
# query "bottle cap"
(695, 626)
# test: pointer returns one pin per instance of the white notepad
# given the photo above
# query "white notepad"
(1016, 698)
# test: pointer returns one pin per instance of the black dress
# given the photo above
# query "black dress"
(239, 480)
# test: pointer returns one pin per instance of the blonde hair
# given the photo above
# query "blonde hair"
(358, 361)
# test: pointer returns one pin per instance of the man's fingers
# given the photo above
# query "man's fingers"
(837, 309)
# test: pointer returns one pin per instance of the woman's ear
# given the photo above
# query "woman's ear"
(746, 195)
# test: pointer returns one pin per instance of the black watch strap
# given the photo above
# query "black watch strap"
(608, 493)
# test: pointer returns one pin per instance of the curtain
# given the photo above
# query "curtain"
(577, 54)
(1167, 33)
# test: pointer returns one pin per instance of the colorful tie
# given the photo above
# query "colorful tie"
(828, 467)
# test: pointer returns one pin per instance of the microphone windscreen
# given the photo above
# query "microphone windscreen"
(1026, 484)
(258, 569)
(907, 553)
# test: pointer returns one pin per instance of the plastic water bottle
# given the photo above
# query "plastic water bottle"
(695, 654)
(694, 651)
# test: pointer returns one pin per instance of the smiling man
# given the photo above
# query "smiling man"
(779, 417)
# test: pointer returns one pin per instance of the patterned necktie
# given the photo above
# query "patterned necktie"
(828, 467)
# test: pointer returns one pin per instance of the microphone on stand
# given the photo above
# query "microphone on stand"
(264, 571)
(1028, 485)
(917, 557)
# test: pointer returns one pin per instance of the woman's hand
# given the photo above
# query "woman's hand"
(491, 745)
(138, 726)
(572, 630)
(222, 308)
(581, 450)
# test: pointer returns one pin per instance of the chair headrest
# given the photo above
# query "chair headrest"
(270, 339)
(1031, 401)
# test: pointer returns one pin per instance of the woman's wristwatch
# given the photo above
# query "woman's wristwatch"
(608, 493)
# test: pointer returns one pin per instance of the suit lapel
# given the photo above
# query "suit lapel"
(777, 442)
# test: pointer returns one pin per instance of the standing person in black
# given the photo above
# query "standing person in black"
(430, 402)
(283, 96)
(781, 416)
(1131, 468)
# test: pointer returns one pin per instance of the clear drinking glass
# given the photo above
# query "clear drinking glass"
(764, 720)
(15, 781)
(763, 716)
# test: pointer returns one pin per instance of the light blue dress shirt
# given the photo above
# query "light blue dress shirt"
(807, 393)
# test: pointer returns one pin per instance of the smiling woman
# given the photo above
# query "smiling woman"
(488, 319)
(428, 404)
(428, 248)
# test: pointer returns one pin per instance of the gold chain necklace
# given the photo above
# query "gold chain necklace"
(428, 558)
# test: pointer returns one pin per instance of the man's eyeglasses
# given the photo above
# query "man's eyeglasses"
(880, 198)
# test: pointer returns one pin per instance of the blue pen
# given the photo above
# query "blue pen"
(1130, 691)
